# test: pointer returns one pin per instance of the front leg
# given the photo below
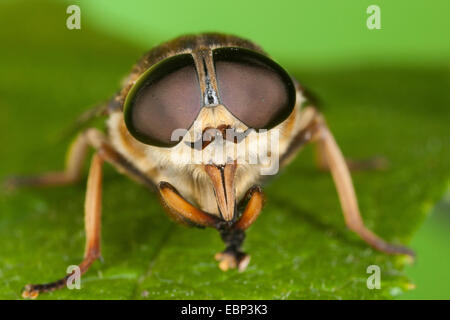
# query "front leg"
(104, 152)
(344, 185)
(317, 131)
(74, 164)
(92, 225)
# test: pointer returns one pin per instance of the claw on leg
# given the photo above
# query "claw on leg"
(31, 291)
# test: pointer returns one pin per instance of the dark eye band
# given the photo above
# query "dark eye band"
(165, 98)
(253, 87)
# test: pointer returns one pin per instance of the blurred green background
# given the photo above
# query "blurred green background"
(317, 39)
(315, 35)
(319, 34)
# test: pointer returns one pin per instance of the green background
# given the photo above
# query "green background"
(383, 92)
(320, 34)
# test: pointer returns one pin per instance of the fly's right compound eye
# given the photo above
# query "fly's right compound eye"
(254, 88)
(165, 98)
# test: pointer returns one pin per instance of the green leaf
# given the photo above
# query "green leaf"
(300, 246)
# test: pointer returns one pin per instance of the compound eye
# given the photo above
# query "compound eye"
(165, 98)
(253, 87)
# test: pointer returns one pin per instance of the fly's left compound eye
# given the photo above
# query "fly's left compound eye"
(165, 98)
(253, 87)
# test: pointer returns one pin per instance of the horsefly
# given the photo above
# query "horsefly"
(203, 120)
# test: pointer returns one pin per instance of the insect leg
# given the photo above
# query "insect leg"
(303, 136)
(72, 173)
(92, 227)
(344, 185)
(99, 142)
(104, 152)
(75, 160)
(75, 155)
(233, 256)
(373, 163)
(311, 118)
